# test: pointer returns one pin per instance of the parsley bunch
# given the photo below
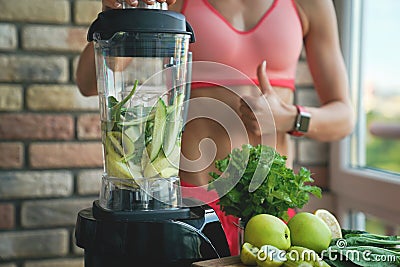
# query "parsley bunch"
(280, 188)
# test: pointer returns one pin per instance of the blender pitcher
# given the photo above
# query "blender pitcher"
(143, 80)
(142, 70)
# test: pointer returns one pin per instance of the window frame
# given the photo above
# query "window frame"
(357, 189)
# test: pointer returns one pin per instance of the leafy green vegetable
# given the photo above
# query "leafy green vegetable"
(371, 241)
(136, 138)
(366, 256)
(280, 189)
(338, 263)
(363, 238)
(364, 249)
(117, 108)
(351, 231)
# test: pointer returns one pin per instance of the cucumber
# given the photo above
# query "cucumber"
(135, 170)
(114, 163)
(137, 121)
(149, 171)
(174, 157)
(113, 143)
(120, 143)
(174, 126)
(118, 169)
(128, 145)
(158, 129)
(115, 154)
(169, 172)
(144, 160)
(132, 133)
(160, 166)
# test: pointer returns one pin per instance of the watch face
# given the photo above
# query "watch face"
(304, 122)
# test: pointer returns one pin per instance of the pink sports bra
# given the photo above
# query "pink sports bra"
(277, 38)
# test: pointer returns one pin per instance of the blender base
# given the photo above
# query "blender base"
(145, 241)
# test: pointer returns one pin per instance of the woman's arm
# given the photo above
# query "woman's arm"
(334, 119)
(86, 72)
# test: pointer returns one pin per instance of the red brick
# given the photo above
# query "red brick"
(49, 11)
(33, 68)
(88, 126)
(65, 155)
(36, 127)
(86, 11)
(19, 245)
(7, 216)
(41, 37)
(11, 155)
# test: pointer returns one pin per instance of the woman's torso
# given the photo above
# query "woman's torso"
(205, 137)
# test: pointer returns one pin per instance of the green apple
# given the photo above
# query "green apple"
(308, 230)
(266, 229)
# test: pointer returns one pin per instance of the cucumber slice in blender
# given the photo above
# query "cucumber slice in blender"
(150, 171)
(169, 172)
(132, 133)
(128, 145)
(160, 166)
(135, 170)
(118, 147)
(145, 159)
(158, 129)
(115, 166)
(137, 121)
(174, 157)
(113, 143)
(174, 126)
(121, 143)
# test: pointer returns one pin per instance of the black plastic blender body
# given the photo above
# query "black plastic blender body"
(153, 243)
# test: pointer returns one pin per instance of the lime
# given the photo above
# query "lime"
(331, 221)
(248, 254)
(303, 257)
(270, 256)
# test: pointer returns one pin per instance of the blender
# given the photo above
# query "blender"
(143, 79)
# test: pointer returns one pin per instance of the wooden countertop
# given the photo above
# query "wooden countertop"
(233, 261)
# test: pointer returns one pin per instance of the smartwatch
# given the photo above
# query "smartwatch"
(301, 123)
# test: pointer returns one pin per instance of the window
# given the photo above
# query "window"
(365, 167)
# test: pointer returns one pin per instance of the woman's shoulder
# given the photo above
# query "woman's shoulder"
(312, 12)
(315, 8)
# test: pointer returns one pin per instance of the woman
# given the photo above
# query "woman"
(262, 40)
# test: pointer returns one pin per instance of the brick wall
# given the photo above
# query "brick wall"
(50, 153)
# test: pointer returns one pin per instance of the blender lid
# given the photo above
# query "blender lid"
(112, 21)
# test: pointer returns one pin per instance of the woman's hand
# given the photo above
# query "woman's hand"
(256, 111)
(112, 4)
